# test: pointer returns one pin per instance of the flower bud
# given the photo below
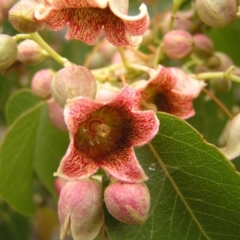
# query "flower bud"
(203, 45)
(216, 14)
(30, 53)
(41, 83)
(71, 82)
(55, 114)
(21, 16)
(80, 209)
(59, 184)
(177, 44)
(106, 92)
(8, 51)
(128, 202)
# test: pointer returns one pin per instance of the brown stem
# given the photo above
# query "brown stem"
(218, 102)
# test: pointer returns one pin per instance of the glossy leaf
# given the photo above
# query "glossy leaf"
(195, 191)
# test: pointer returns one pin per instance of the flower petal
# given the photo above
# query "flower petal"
(146, 125)
(116, 33)
(78, 3)
(135, 25)
(162, 78)
(86, 24)
(124, 99)
(77, 110)
(74, 165)
(55, 19)
(177, 104)
(124, 166)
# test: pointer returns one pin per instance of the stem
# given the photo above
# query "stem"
(123, 56)
(216, 100)
(58, 58)
(213, 75)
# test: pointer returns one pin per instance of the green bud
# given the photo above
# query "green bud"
(217, 13)
(8, 51)
(21, 16)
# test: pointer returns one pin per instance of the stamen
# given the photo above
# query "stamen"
(102, 130)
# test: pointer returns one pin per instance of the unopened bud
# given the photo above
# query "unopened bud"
(218, 13)
(128, 202)
(30, 53)
(80, 209)
(177, 44)
(55, 114)
(8, 51)
(59, 184)
(203, 45)
(71, 82)
(41, 83)
(21, 16)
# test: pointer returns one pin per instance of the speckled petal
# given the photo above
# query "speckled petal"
(55, 19)
(116, 33)
(124, 166)
(75, 166)
(78, 3)
(86, 25)
(78, 110)
(162, 78)
(180, 105)
(124, 99)
(135, 25)
(146, 125)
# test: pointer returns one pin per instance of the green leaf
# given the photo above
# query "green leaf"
(51, 144)
(18, 103)
(195, 191)
(16, 161)
(47, 151)
(14, 226)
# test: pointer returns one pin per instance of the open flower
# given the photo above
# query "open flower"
(103, 135)
(169, 90)
(85, 20)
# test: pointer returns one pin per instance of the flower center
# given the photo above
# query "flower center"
(96, 126)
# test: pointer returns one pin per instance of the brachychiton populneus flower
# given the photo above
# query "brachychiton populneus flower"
(86, 19)
(169, 90)
(103, 135)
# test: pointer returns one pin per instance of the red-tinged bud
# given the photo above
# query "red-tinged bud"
(80, 209)
(177, 44)
(203, 45)
(128, 202)
(8, 51)
(72, 82)
(21, 16)
(217, 14)
(30, 53)
(183, 20)
(41, 83)
(59, 184)
(55, 114)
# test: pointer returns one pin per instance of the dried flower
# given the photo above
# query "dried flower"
(169, 90)
(85, 20)
(103, 135)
